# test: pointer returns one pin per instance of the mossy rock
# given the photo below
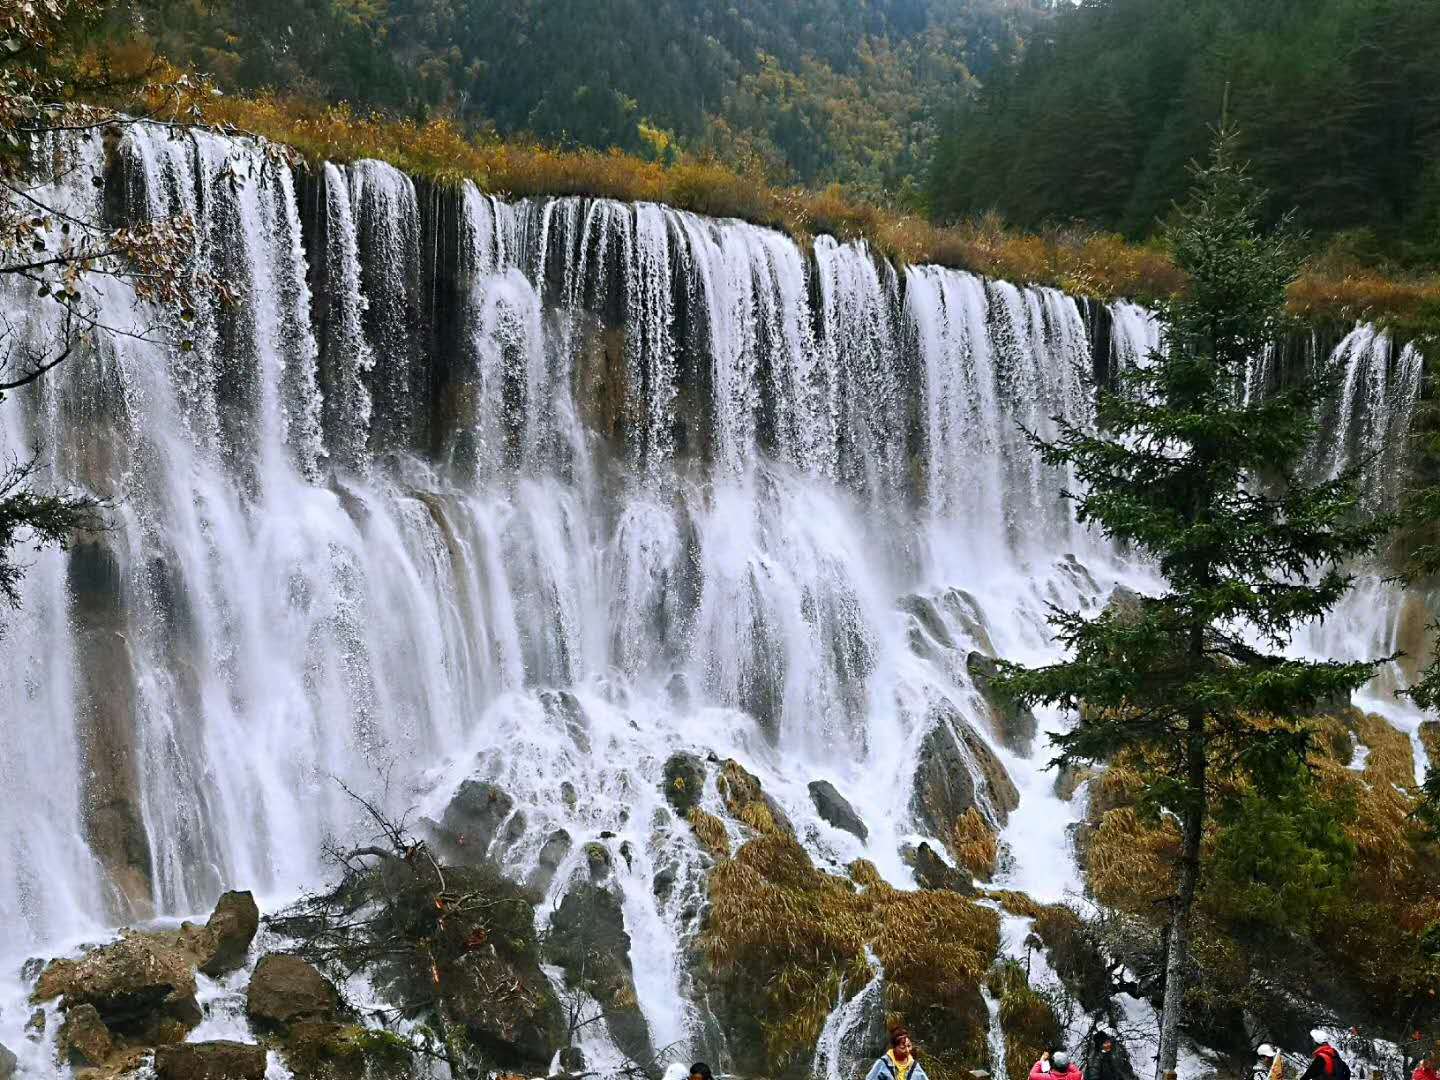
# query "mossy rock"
(747, 801)
(684, 782)
(321, 1050)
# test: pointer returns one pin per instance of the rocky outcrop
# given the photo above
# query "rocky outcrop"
(956, 772)
(9, 1063)
(933, 616)
(684, 782)
(222, 944)
(1013, 724)
(285, 990)
(210, 1061)
(933, 872)
(835, 809)
(747, 801)
(142, 987)
(587, 940)
(473, 820)
(84, 1039)
(321, 1050)
(552, 853)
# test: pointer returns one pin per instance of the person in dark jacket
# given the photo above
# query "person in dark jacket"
(701, 1071)
(899, 1061)
(1327, 1064)
(1106, 1062)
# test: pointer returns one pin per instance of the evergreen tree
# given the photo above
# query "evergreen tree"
(1189, 470)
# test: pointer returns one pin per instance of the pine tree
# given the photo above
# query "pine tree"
(1187, 469)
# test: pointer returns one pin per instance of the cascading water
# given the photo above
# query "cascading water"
(601, 484)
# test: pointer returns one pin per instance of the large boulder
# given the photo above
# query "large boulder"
(321, 1050)
(684, 782)
(210, 1061)
(1012, 723)
(587, 940)
(956, 772)
(933, 872)
(225, 940)
(473, 820)
(142, 986)
(285, 990)
(835, 809)
(9, 1063)
(84, 1039)
(552, 853)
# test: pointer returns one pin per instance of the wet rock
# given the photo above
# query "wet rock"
(664, 882)
(684, 782)
(955, 772)
(747, 801)
(1124, 605)
(934, 616)
(557, 845)
(210, 1061)
(84, 1038)
(473, 820)
(1012, 723)
(321, 1050)
(285, 989)
(677, 689)
(141, 986)
(229, 932)
(588, 941)
(933, 872)
(568, 794)
(564, 707)
(9, 1063)
(835, 809)
(572, 1061)
(627, 852)
(1069, 778)
(599, 860)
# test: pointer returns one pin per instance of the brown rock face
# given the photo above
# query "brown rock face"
(210, 1061)
(142, 987)
(957, 771)
(231, 928)
(105, 702)
(84, 1038)
(285, 989)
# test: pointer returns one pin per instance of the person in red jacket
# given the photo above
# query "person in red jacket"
(1327, 1064)
(1056, 1066)
(1425, 1070)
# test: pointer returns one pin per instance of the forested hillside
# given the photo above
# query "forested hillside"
(812, 90)
(1338, 103)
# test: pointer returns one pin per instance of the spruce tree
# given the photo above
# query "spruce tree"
(1188, 470)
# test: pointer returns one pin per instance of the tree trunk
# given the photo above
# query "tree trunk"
(1177, 960)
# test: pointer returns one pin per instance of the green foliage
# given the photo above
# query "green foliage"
(32, 517)
(1339, 101)
(813, 90)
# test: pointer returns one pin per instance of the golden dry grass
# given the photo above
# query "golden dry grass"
(710, 832)
(788, 936)
(974, 845)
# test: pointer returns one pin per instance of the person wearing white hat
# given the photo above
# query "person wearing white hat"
(1272, 1061)
(1056, 1066)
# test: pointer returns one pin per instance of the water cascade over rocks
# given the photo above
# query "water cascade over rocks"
(537, 495)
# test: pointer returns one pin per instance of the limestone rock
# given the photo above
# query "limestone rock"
(231, 929)
(557, 845)
(9, 1063)
(1012, 723)
(285, 989)
(957, 771)
(747, 801)
(572, 1061)
(210, 1061)
(684, 782)
(320, 1050)
(1069, 778)
(142, 986)
(474, 818)
(588, 941)
(836, 809)
(84, 1038)
(933, 872)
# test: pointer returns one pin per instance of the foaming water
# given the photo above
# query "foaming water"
(540, 493)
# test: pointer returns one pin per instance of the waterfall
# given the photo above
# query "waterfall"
(539, 492)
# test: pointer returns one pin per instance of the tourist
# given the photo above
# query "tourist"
(1056, 1066)
(899, 1061)
(1327, 1064)
(1272, 1062)
(1426, 1069)
(1106, 1064)
(701, 1071)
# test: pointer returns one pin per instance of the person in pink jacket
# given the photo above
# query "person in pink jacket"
(1056, 1066)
